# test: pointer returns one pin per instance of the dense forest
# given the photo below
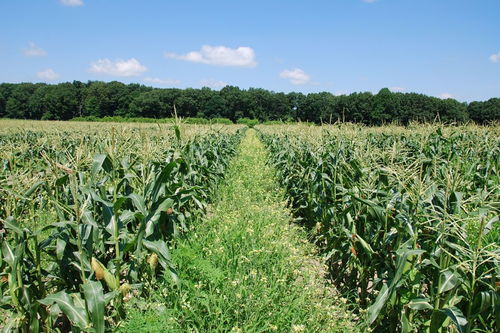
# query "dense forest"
(102, 99)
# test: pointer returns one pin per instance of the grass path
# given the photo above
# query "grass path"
(245, 268)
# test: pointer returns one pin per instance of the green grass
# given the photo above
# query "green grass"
(245, 267)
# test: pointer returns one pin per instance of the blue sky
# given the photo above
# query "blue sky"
(437, 47)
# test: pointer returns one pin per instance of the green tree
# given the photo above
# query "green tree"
(384, 108)
(484, 112)
(319, 107)
(3, 101)
(451, 110)
(187, 104)
(17, 105)
(103, 99)
(54, 102)
(215, 107)
(296, 101)
(356, 107)
(148, 104)
(5, 91)
(260, 102)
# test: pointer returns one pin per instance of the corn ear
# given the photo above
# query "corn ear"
(101, 272)
(153, 261)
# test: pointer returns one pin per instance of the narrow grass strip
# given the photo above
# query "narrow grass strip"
(245, 268)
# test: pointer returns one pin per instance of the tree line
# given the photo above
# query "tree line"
(69, 100)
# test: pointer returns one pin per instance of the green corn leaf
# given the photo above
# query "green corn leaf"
(448, 280)
(118, 203)
(97, 197)
(88, 218)
(161, 180)
(112, 225)
(101, 162)
(457, 317)
(377, 212)
(405, 323)
(138, 202)
(155, 215)
(489, 225)
(177, 133)
(380, 301)
(76, 315)
(160, 248)
(33, 188)
(365, 245)
(420, 304)
(484, 300)
(61, 246)
(127, 216)
(407, 222)
(402, 265)
(94, 298)
(11, 224)
(455, 202)
(108, 297)
(78, 300)
(62, 180)
(35, 322)
(85, 260)
(8, 254)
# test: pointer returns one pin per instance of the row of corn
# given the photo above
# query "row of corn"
(95, 225)
(406, 219)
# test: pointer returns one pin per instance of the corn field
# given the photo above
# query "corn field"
(407, 219)
(88, 214)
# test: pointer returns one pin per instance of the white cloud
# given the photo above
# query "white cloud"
(211, 83)
(34, 51)
(219, 56)
(165, 82)
(47, 75)
(446, 95)
(71, 3)
(397, 89)
(495, 57)
(295, 76)
(119, 67)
